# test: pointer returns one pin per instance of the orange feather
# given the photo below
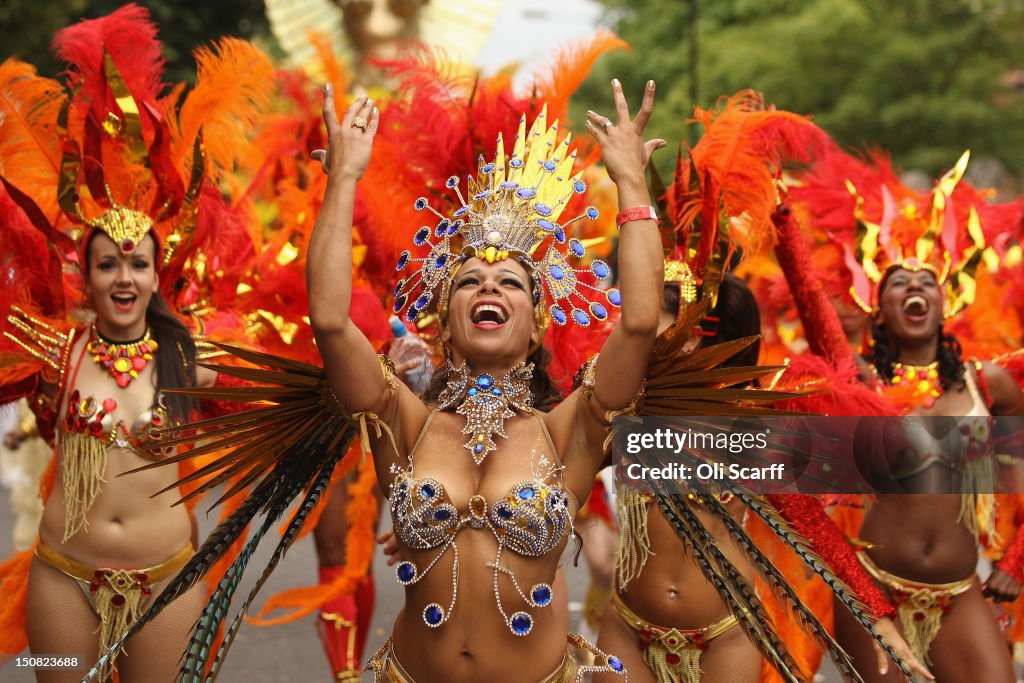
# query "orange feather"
(29, 145)
(234, 82)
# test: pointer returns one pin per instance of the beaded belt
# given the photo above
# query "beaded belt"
(672, 654)
(920, 606)
(115, 595)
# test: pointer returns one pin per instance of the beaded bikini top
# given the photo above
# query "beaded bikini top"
(530, 521)
(95, 419)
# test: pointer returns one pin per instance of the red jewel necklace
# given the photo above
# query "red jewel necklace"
(922, 379)
(122, 360)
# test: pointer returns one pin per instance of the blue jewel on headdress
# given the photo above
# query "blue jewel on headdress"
(483, 195)
(526, 193)
(427, 490)
(461, 211)
(442, 515)
(398, 288)
(545, 224)
(421, 236)
(420, 204)
(541, 594)
(453, 227)
(600, 270)
(412, 313)
(579, 187)
(441, 260)
(521, 623)
(558, 314)
(550, 165)
(556, 272)
(598, 311)
(577, 248)
(580, 317)
(422, 302)
(405, 573)
(516, 163)
(504, 512)
(526, 493)
(400, 302)
(433, 614)
(592, 213)
(614, 297)
(403, 260)
(488, 168)
(509, 185)
(452, 182)
(560, 235)
(542, 209)
(615, 663)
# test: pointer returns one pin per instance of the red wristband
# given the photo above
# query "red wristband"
(637, 213)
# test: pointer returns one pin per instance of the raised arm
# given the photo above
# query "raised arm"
(620, 370)
(349, 358)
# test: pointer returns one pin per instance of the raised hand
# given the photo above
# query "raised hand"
(623, 148)
(350, 141)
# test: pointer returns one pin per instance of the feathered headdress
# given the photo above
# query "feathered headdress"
(120, 157)
(512, 212)
(723, 194)
(895, 227)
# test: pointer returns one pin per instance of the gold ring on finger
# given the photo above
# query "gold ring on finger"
(359, 122)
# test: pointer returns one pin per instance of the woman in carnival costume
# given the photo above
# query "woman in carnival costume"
(700, 619)
(139, 217)
(486, 277)
(913, 261)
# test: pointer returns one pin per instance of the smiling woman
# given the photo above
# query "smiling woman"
(922, 548)
(483, 484)
(113, 233)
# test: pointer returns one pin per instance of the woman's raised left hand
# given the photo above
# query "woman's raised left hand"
(349, 141)
(623, 148)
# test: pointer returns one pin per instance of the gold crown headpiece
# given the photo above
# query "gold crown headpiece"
(513, 209)
(877, 249)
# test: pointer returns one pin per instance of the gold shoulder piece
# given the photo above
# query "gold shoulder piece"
(587, 380)
(387, 368)
(40, 339)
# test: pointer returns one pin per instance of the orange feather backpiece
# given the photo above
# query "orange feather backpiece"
(233, 84)
(29, 140)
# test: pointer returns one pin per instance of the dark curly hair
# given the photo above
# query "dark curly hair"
(885, 353)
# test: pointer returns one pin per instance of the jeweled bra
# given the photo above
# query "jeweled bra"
(530, 521)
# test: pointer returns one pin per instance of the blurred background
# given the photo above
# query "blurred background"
(922, 79)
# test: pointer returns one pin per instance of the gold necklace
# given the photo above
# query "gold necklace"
(122, 360)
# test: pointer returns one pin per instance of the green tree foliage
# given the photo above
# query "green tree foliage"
(27, 27)
(923, 79)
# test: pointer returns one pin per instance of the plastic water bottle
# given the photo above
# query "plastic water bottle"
(411, 356)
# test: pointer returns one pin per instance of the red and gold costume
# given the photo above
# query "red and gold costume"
(113, 153)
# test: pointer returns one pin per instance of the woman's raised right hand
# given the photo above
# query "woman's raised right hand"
(348, 145)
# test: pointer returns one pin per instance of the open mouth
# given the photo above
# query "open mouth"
(915, 308)
(488, 316)
(123, 301)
